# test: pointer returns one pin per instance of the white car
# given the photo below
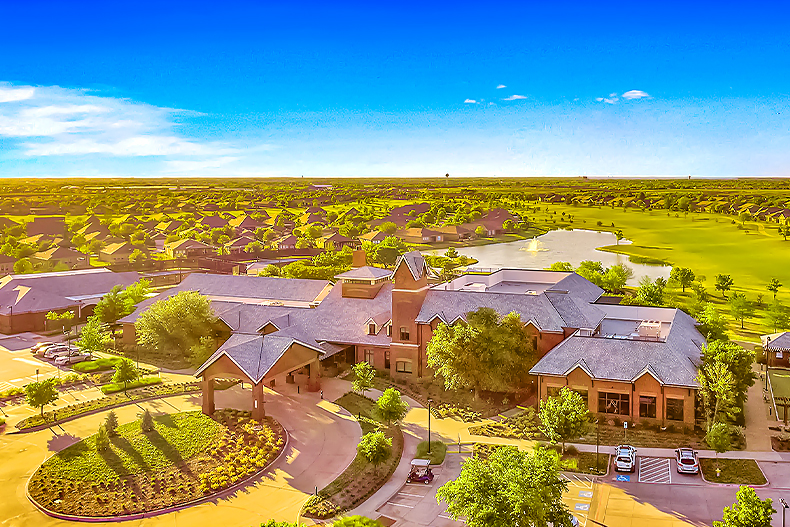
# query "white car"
(71, 358)
(625, 458)
(686, 461)
(56, 351)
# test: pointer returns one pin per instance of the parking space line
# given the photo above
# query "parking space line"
(655, 470)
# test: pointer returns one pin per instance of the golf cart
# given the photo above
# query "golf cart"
(420, 472)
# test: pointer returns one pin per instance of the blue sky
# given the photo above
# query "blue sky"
(319, 89)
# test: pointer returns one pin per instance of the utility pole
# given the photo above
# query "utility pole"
(429, 424)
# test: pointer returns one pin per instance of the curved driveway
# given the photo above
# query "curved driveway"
(323, 440)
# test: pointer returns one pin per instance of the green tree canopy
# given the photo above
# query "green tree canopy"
(561, 266)
(738, 361)
(486, 353)
(125, 372)
(747, 511)
(773, 286)
(777, 314)
(509, 489)
(94, 336)
(174, 325)
(390, 406)
(356, 521)
(40, 394)
(23, 266)
(363, 377)
(563, 417)
(717, 389)
(724, 283)
(712, 324)
(740, 308)
(683, 276)
(719, 438)
(112, 306)
(375, 447)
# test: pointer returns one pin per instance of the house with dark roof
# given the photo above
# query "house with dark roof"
(188, 249)
(26, 299)
(117, 252)
(336, 242)
(59, 256)
(54, 225)
(6, 264)
(633, 362)
(777, 349)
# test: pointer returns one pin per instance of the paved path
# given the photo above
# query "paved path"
(322, 444)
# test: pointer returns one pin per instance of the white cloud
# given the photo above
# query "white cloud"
(11, 94)
(470, 101)
(514, 98)
(501, 86)
(54, 121)
(608, 100)
(635, 94)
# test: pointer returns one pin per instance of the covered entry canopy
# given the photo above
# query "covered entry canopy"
(256, 359)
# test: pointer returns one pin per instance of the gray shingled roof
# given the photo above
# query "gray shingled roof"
(415, 261)
(450, 305)
(365, 273)
(575, 312)
(579, 287)
(674, 362)
(780, 343)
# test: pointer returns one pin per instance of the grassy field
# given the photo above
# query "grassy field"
(177, 437)
(437, 455)
(738, 471)
(709, 244)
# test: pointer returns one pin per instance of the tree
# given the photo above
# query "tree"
(125, 372)
(375, 447)
(269, 270)
(509, 489)
(564, 417)
(111, 423)
(723, 283)
(102, 439)
(738, 361)
(480, 231)
(391, 407)
(650, 293)
(451, 253)
(146, 421)
(741, 308)
(618, 234)
(747, 511)
(254, 247)
(616, 277)
(778, 317)
(23, 266)
(137, 256)
(356, 521)
(717, 389)
(40, 394)
(719, 439)
(388, 227)
(486, 353)
(363, 377)
(773, 286)
(272, 523)
(744, 217)
(94, 336)
(508, 225)
(388, 250)
(136, 293)
(174, 325)
(712, 323)
(565, 267)
(784, 230)
(112, 306)
(61, 319)
(683, 276)
(200, 352)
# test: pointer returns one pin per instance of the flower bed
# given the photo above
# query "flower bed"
(137, 383)
(523, 425)
(17, 395)
(361, 479)
(97, 365)
(187, 457)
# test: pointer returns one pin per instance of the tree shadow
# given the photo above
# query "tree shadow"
(166, 420)
(68, 445)
(172, 454)
(114, 461)
(123, 444)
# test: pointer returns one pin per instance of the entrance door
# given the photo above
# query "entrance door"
(387, 359)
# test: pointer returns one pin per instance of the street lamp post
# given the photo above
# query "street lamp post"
(429, 424)
(11, 320)
(597, 444)
(784, 508)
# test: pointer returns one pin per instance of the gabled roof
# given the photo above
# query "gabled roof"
(415, 261)
(118, 247)
(780, 343)
(57, 253)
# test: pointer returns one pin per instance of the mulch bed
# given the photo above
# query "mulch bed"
(241, 452)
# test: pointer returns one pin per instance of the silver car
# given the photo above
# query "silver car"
(624, 458)
(56, 351)
(686, 461)
(72, 358)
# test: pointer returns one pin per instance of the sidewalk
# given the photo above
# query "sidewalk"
(758, 437)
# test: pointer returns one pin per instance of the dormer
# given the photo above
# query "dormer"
(376, 323)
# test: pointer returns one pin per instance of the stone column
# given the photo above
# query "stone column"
(258, 411)
(314, 381)
(208, 396)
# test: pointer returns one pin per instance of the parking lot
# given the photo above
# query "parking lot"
(579, 497)
(19, 366)
(655, 470)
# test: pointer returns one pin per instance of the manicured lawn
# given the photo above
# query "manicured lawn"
(437, 455)
(584, 462)
(780, 387)
(176, 437)
(361, 408)
(138, 383)
(93, 366)
(642, 436)
(739, 471)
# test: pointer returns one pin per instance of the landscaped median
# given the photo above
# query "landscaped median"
(184, 459)
(362, 478)
(113, 400)
(733, 471)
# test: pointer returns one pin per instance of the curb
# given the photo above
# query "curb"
(38, 428)
(150, 514)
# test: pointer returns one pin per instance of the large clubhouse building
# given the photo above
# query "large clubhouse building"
(638, 363)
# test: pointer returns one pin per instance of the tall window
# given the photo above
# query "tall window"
(372, 328)
(389, 330)
(387, 359)
(675, 409)
(614, 403)
(404, 333)
(403, 366)
(369, 355)
(647, 407)
(553, 391)
(584, 394)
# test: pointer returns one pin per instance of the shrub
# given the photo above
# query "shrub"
(147, 421)
(102, 439)
(111, 423)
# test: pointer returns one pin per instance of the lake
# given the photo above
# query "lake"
(572, 246)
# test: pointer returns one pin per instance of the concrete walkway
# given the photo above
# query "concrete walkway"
(758, 437)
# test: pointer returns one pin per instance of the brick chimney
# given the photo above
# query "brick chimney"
(359, 259)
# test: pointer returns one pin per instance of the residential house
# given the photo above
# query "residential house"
(336, 242)
(238, 245)
(286, 243)
(52, 225)
(6, 264)
(117, 252)
(169, 227)
(374, 237)
(188, 249)
(777, 349)
(58, 256)
(214, 222)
